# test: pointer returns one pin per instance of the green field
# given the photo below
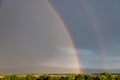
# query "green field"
(101, 76)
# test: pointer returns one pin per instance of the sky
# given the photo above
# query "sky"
(32, 40)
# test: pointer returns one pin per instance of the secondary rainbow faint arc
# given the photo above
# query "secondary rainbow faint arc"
(64, 26)
(93, 22)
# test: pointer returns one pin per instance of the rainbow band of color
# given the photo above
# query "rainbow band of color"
(92, 19)
(64, 26)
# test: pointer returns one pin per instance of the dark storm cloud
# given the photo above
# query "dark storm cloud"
(78, 24)
(108, 19)
(106, 13)
(0, 1)
(80, 17)
(32, 38)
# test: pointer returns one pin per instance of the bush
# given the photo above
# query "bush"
(30, 77)
(117, 77)
(103, 76)
(79, 77)
(10, 77)
(45, 77)
(70, 77)
(89, 77)
(108, 76)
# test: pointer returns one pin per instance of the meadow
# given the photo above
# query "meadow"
(101, 76)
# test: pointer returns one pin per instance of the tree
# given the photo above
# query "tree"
(11, 77)
(108, 76)
(22, 78)
(29, 77)
(45, 77)
(79, 77)
(102, 77)
(89, 77)
(55, 78)
(62, 78)
(96, 78)
(117, 77)
(70, 77)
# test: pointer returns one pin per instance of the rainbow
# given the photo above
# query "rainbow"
(66, 30)
(92, 19)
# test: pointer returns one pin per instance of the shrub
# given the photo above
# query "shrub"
(79, 77)
(10, 77)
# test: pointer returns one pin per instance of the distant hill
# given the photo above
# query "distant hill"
(88, 70)
(52, 70)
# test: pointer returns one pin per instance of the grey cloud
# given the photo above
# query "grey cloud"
(83, 17)
(89, 59)
(29, 35)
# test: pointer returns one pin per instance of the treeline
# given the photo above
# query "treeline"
(102, 76)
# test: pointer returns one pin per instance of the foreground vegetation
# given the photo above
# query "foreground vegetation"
(102, 76)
